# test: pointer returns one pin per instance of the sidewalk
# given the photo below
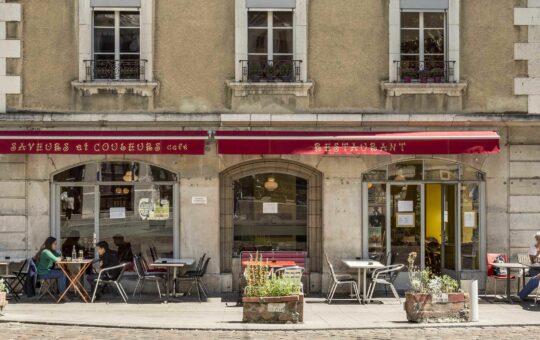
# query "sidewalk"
(216, 315)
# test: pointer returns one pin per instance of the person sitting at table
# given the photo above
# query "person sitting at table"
(45, 260)
(124, 249)
(72, 241)
(534, 252)
(107, 258)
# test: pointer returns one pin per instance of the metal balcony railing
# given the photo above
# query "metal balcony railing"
(425, 71)
(282, 71)
(119, 70)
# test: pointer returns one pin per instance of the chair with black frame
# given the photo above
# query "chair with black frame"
(104, 279)
(20, 276)
(144, 275)
(46, 286)
(198, 282)
(188, 275)
(9, 281)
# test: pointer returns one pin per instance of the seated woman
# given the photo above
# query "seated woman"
(45, 259)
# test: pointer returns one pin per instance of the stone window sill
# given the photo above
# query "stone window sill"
(449, 89)
(140, 88)
(241, 89)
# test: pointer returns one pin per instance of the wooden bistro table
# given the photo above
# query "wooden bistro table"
(509, 267)
(171, 265)
(74, 278)
(363, 266)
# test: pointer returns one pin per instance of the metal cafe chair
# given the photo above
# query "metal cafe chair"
(190, 273)
(144, 276)
(384, 276)
(198, 282)
(46, 286)
(341, 280)
(111, 282)
(292, 273)
(21, 275)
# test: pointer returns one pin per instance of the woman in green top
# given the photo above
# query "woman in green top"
(45, 258)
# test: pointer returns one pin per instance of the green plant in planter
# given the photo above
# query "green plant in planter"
(425, 282)
(286, 72)
(437, 74)
(255, 71)
(408, 74)
(269, 72)
(3, 288)
(260, 283)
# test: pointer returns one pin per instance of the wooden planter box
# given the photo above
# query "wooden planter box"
(283, 309)
(454, 307)
(3, 301)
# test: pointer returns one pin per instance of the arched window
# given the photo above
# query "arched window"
(431, 207)
(131, 205)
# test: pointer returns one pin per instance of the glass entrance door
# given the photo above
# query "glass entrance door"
(76, 216)
(449, 228)
(406, 222)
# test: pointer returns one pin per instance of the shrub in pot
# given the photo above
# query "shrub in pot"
(409, 74)
(255, 71)
(423, 75)
(271, 299)
(433, 298)
(286, 72)
(3, 295)
(437, 74)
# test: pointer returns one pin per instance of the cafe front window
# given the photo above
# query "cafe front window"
(431, 207)
(270, 213)
(131, 205)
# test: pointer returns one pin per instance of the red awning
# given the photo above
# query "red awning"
(356, 143)
(103, 142)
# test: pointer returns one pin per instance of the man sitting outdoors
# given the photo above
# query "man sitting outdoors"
(107, 258)
(534, 253)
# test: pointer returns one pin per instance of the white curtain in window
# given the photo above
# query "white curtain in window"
(115, 3)
(424, 4)
(274, 4)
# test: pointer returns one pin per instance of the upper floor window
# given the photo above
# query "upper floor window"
(116, 46)
(423, 47)
(271, 46)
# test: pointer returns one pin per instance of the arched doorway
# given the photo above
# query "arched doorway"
(433, 207)
(131, 205)
(271, 205)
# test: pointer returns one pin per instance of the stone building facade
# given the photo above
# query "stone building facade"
(67, 65)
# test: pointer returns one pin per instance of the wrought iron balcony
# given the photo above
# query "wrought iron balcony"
(115, 70)
(282, 71)
(425, 71)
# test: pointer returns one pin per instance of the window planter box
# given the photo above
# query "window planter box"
(283, 309)
(454, 307)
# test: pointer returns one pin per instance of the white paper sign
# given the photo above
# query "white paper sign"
(446, 217)
(199, 200)
(276, 307)
(469, 219)
(405, 206)
(405, 220)
(270, 208)
(117, 213)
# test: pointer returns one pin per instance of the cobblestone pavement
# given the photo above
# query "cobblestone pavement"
(30, 331)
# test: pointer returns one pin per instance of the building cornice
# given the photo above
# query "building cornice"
(246, 120)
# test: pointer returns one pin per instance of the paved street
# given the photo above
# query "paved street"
(26, 331)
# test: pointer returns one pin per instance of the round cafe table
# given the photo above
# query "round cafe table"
(509, 267)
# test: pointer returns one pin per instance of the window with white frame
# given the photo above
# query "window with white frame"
(271, 46)
(270, 36)
(423, 44)
(116, 45)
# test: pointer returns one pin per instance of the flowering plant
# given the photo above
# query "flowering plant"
(424, 281)
(262, 282)
(3, 288)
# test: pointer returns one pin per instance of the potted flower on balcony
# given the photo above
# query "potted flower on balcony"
(3, 295)
(255, 71)
(423, 75)
(437, 74)
(433, 298)
(271, 299)
(408, 74)
(269, 72)
(286, 72)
